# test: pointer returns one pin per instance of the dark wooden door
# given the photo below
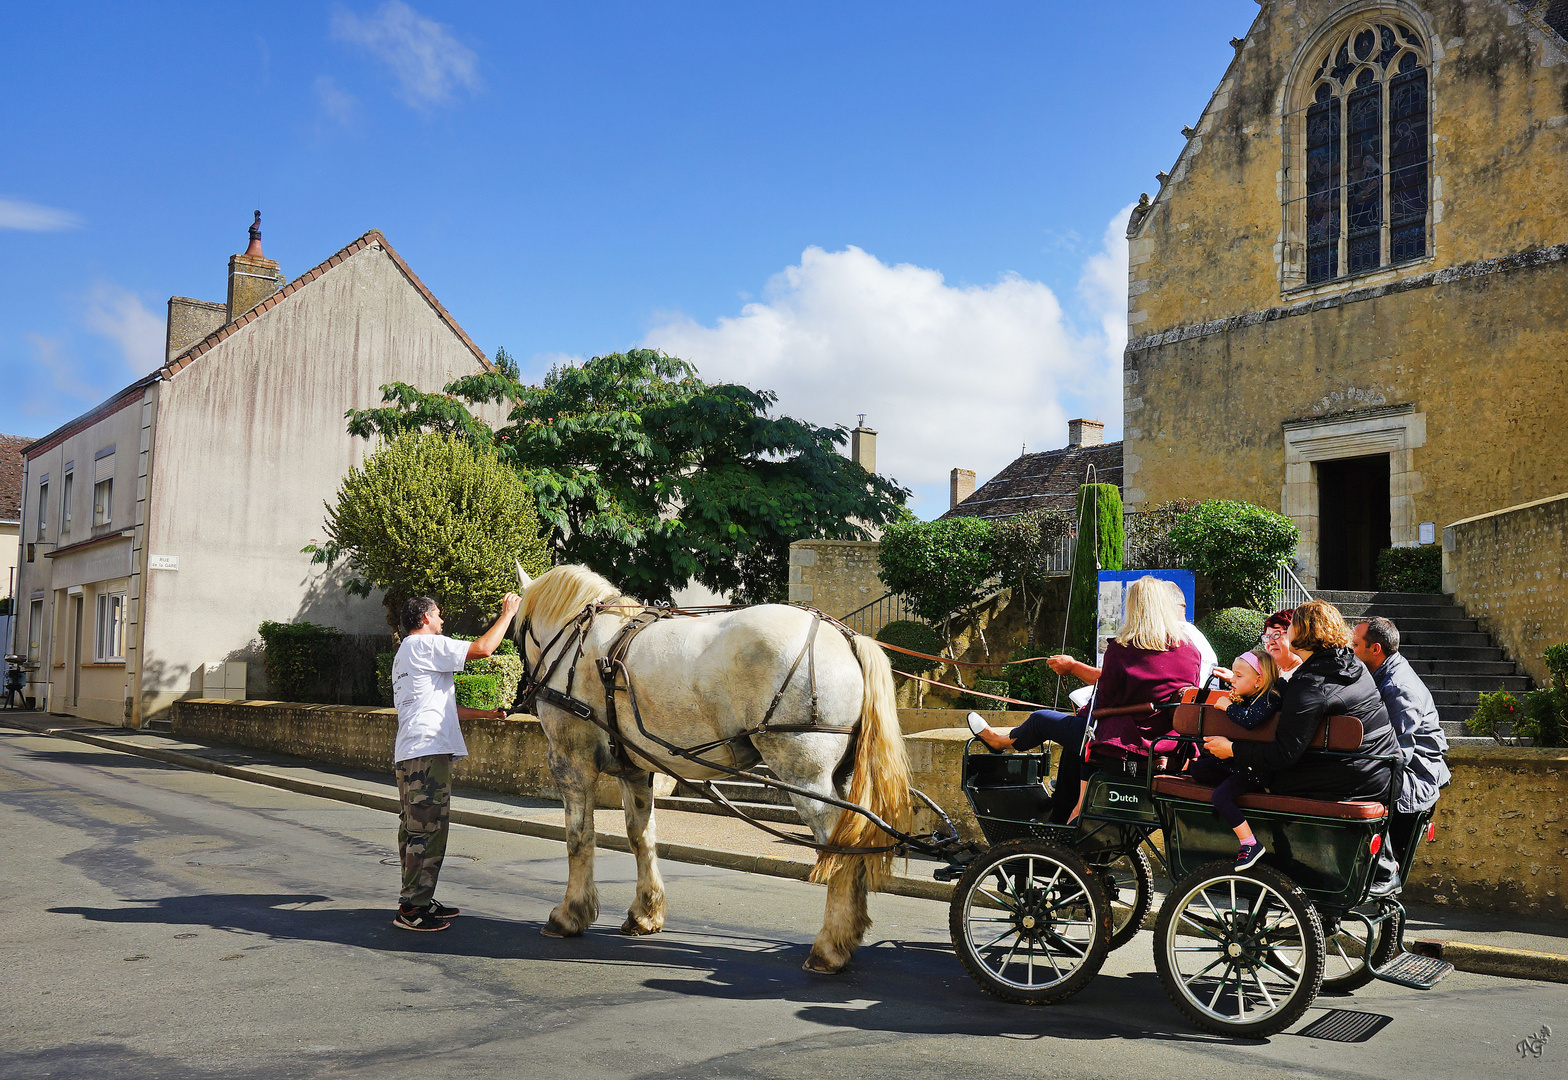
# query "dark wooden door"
(1352, 521)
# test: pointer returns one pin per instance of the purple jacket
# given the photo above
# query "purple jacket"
(1132, 676)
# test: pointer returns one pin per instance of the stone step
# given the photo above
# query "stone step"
(1476, 639)
(1514, 684)
(1342, 597)
(1454, 624)
(761, 811)
(1465, 698)
(1428, 653)
(1424, 668)
(1455, 714)
(1477, 741)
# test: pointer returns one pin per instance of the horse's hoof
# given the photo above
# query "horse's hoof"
(636, 929)
(822, 967)
(556, 930)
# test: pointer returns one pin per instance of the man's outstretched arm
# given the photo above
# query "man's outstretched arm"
(490, 640)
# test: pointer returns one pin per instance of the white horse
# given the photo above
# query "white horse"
(700, 680)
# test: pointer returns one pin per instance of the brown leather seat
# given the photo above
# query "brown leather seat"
(1349, 810)
(1335, 733)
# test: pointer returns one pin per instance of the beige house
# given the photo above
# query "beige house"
(161, 528)
(1346, 297)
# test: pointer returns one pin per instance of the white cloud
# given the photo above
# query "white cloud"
(33, 217)
(65, 380)
(428, 61)
(118, 314)
(949, 376)
(337, 103)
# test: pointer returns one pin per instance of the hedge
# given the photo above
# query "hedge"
(1411, 569)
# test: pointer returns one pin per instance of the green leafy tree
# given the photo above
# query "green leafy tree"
(431, 515)
(1100, 545)
(1238, 547)
(653, 477)
(1149, 536)
(942, 568)
(1021, 548)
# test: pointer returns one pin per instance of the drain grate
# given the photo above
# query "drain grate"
(1345, 1026)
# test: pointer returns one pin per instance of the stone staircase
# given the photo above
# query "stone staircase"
(760, 801)
(1453, 655)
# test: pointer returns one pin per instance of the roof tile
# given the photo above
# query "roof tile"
(1045, 481)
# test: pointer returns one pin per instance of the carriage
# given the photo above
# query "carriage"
(1240, 953)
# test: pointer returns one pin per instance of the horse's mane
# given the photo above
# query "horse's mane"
(559, 595)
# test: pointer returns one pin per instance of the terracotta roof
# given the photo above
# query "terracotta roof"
(205, 345)
(11, 447)
(1046, 481)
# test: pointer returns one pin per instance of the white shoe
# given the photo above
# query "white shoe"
(977, 724)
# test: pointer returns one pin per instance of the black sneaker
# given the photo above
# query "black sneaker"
(1248, 856)
(423, 919)
(441, 911)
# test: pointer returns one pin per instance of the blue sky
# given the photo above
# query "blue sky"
(911, 210)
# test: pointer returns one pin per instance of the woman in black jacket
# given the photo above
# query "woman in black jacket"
(1329, 682)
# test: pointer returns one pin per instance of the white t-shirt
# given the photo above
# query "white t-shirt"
(1206, 658)
(426, 701)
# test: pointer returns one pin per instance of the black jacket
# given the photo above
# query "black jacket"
(1331, 683)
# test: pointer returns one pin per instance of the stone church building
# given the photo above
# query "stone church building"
(1347, 299)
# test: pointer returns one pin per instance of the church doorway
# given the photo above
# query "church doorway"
(1353, 521)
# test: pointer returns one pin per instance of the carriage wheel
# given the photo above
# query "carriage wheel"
(1355, 950)
(1030, 922)
(1240, 954)
(1129, 884)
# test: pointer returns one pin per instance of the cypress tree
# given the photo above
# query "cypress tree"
(1100, 543)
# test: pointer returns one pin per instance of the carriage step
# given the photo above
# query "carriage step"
(1413, 970)
(760, 811)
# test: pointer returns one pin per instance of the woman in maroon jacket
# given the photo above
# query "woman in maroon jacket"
(1149, 660)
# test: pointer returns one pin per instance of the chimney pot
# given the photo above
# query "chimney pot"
(961, 485)
(252, 276)
(1085, 433)
(863, 446)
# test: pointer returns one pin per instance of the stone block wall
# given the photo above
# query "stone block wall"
(1509, 569)
(1502, 834)
(834, 576)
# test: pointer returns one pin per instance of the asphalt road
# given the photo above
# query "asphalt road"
(165, 923)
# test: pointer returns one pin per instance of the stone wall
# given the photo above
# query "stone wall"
(1507, 569)
(1502, 834)
(834, 576)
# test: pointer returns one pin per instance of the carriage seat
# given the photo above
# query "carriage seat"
(1180, 787)
(1338, 733)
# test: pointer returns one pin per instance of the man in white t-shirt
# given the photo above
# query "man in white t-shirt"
(428, 738)
(1207, 660)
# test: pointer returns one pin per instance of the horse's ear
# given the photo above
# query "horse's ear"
(523, 580)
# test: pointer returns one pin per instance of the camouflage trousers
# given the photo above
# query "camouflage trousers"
(424, 790)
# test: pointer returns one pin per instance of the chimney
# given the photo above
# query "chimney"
(960, 485)
(863, 446)
(190, 321)
(252, 276)
(1085, 433)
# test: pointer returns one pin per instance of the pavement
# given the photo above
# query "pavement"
(1482, 942)
(158, 921)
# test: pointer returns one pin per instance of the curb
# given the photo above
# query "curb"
(1489, 960)
(745, 861)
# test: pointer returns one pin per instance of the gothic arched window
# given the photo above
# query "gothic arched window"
(1363, 149)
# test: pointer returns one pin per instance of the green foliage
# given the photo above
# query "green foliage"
(477, 691)
(504, 664)
(298, 657)
(653, 477)
(1021, 548)
(429, 515)
(1238, 546)
(1492, 711)
(998, 687)
(1039, 684)
(1411, 569)
(941, 568)
(1149, 544)
(1100, 543)
(908, 634)
(1556, 657)
(1232, 631)
(384, 677)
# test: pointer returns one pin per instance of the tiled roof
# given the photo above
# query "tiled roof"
(373, 238)
(1046, 481)
(11, 447)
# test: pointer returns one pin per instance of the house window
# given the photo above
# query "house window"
(66, 487)
(109, 642)
(43, 508)
(35, 630)
(1360, 141)
(103, 501)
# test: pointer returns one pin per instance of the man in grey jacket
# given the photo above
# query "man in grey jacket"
(1422, 743)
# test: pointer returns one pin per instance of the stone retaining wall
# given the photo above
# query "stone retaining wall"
(1510, 571)
(1502, 824)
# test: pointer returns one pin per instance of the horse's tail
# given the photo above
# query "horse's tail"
(880, 781)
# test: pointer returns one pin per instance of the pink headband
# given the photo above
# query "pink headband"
(1252, 658)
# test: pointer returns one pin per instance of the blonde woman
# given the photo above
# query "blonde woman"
(1150, 659)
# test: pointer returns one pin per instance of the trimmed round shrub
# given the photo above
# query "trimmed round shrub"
(1238, 546)
(1232, 631)
(477, 691)
(908, 634)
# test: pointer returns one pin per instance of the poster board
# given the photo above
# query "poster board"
(1113, 600)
